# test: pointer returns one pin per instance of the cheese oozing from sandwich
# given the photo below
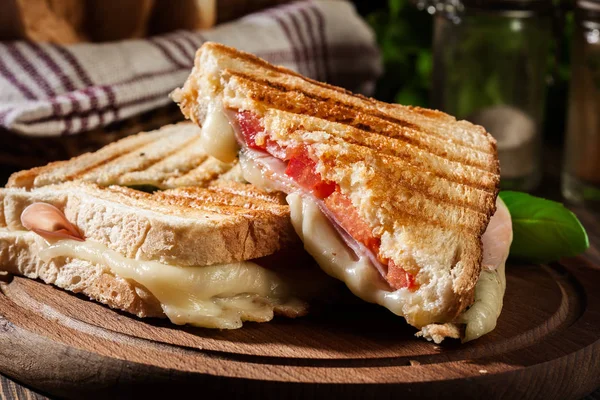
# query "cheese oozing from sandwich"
(336, 259)
(217, 296)
(217, 135)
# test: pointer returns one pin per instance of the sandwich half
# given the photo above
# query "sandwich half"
(199, 256)
(212, 255)
(392, 200)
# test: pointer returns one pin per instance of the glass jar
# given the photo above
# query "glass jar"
(490, 63)
(581, 172)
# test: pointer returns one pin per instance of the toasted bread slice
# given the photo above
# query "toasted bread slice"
(415, 187)
(164, 226)
(166, 158)
(209, 241)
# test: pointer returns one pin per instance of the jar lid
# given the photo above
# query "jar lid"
(591, 5)
(510, 5)
(587, 12)
(517, 7)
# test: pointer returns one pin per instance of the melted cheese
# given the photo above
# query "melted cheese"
(218, 137)
(481, 318)
(337, 260)
(217, 296)
(252, 173)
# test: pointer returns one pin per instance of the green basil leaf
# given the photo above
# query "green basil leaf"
(543, 230)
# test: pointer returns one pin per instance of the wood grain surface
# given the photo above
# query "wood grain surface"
(10, 390)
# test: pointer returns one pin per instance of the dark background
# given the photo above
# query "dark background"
(404, 35)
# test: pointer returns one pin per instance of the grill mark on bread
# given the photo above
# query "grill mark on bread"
(280, 87)
(226, 198)
(246, 190)
(153, 162)
(119, 153)
(274, 68)
(412, 180)
(147, 200)
(425, 211)
(338, 114)
(26, 178)
(100, 164)
(438, 166)
(128, 162)
(214, 207)
(132, 193)
(206, 172)
(214, 202)
(458, 178)
(172, 166)
(325, 104)
(412, 217)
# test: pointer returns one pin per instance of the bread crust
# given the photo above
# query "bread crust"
(424, 182)
(163, 227)
(438, 332)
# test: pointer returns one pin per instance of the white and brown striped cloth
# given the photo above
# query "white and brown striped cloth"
(51, 90)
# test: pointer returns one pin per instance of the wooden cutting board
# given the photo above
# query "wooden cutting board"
(546, 345)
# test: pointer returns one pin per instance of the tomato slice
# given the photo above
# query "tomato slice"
(398, 278)
(251, 127)
(302, 169)
(347, 216)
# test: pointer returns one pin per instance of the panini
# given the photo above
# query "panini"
(401, 195)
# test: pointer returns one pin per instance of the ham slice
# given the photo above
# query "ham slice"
(49, 222)
(497, 238)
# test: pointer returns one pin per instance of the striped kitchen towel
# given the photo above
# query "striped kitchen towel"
(50, 90)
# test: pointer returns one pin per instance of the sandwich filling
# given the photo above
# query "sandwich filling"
(216, 296)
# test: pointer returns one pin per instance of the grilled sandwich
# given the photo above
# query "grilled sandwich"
(392, 200)
(212, 255)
